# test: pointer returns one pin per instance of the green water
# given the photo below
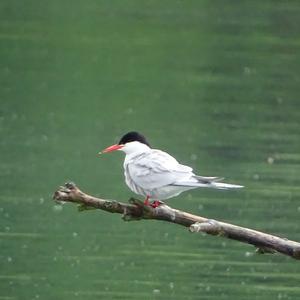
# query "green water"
(214, 83)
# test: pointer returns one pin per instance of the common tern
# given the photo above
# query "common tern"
(157, 175)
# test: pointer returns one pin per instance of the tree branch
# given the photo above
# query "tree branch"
(136, 210)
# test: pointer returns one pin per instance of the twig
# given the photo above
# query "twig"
(136, 210)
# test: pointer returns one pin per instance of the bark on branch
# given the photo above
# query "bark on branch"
(136, 210)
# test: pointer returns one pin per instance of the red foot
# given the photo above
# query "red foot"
(156, 203)
(146, 202)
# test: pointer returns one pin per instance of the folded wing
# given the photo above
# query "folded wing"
(156, 169)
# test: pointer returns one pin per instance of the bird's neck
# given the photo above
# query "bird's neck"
(135, 148)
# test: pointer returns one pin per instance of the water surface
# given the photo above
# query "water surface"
(215, 84)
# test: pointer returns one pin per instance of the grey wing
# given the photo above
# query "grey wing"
(157, 169)
(205, 179)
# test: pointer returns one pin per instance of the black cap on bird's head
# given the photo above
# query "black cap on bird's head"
(133, 136)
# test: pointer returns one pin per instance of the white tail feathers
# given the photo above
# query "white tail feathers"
(208, 182)
(212, 184)
(224, 186)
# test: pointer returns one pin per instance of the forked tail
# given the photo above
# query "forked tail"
(209, 182)
(214, 182)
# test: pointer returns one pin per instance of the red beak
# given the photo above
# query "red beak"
(111, 148)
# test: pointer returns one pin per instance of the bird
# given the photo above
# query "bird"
(157, 175)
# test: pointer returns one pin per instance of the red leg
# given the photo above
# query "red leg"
(146, 202)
